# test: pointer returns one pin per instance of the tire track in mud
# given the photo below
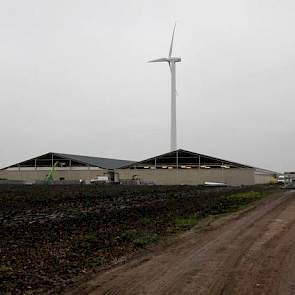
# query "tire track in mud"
(219, 255)
(243, 255)
(261, 270)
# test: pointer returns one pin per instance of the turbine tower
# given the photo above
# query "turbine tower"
(172, 64)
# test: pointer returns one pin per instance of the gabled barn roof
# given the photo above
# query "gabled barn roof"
(182, 157)
(76, 160)
(266, 172)
(106, 163)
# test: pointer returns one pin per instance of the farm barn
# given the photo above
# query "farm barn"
(178, 167)
(265, 176)
(185, 167)
(66, 167)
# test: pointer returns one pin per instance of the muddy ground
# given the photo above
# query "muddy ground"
(54, 237)
(251, 252)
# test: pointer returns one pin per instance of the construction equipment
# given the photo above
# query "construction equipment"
(50, 176)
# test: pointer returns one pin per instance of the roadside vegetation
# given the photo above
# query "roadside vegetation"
(53, 236)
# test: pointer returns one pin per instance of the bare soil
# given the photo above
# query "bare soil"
(249, 252)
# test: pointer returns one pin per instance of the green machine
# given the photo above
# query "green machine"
(50, 177)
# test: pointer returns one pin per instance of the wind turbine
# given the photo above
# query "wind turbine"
(172, 64)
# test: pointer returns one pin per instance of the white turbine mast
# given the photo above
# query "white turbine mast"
(172, 64)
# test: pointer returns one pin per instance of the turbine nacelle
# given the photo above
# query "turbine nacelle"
(175, 59)
(166, 59)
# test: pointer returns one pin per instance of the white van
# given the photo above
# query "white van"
(281, 179)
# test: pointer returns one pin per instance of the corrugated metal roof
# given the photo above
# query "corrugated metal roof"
(174, 154)
(105, 163)
(265, 171)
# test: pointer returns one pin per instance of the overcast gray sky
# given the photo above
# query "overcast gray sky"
(74, 78)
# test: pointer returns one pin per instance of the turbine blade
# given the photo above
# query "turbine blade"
(171, 45)
(159, 60)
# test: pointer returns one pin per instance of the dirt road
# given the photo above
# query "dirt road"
(250, 252)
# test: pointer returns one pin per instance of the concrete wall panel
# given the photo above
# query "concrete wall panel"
(234, 176)
(264, 179)
(39, 175)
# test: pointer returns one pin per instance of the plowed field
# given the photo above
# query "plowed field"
(54, 237)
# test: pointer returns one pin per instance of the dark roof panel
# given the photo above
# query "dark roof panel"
(105, 163)
(188, 158)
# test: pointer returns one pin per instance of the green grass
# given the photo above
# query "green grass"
(146, 221)
(246, 197)
(185, 223)
(227, 204)
(240, 200)
(145, 238)
(139, 238)
(235, 202)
